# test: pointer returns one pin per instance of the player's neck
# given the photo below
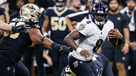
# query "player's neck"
(100, 27)
(116, 12)
(59, 10)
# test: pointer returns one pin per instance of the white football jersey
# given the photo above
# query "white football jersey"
(94, 37)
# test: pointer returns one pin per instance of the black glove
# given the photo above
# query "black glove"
(61, 48)
(21, 28)
(64, 49)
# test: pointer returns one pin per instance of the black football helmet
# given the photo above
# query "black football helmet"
(59, 6)
(100, 9)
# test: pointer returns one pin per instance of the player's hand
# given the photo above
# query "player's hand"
(115, 34)
(64, 49)
(85, 53)
(125, 49)
(33, 45)
(21, 28)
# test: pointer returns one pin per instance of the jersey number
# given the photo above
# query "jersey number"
(98, 45)
(58, 23)
(10, 33)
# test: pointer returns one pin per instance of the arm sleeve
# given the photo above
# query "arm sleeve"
(125, 21)
(47, 11)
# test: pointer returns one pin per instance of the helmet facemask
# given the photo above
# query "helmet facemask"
(59, 6)
(101, 10)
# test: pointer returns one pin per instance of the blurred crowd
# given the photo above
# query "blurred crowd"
(9, 9)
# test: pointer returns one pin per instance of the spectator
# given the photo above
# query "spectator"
(129, 12)
(75, 5)
(2, 14)
(6, 6)
(19, 4)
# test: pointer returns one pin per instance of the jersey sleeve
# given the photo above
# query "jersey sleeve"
(83, 27)
(47, 11)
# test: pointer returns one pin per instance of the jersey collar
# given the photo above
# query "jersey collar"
(59, 13)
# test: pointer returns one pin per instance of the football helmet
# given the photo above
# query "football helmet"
(59, 6)
(102, 10)
(31, 12)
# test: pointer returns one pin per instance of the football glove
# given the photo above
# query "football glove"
(64, 49)
(61, 48)
(21, 28)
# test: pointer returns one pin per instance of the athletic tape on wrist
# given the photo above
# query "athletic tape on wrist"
(45, 33)
(79, 49)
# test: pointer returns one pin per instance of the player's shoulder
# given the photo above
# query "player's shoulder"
(20, 20)
(110, 23)
(49, 9)
(86, 23)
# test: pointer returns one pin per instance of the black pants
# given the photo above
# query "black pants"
(28, 57)
(21, 69)
(6, 69)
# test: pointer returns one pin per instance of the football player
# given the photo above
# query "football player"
(89, 36)
(14, 44)
(56, 23)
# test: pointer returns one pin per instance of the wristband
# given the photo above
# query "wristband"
(13, 28)
(79, 49)
(42, 40)
(126, 45)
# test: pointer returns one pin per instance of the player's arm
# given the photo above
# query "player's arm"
(69, 24)
(7, 27)
(36, 37)
(69, 39)
(115, 34)
(125, 48)
(2, 18)
(45, 25)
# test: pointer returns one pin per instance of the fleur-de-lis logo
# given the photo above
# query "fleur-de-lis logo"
(8, 68)
(31, 8)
